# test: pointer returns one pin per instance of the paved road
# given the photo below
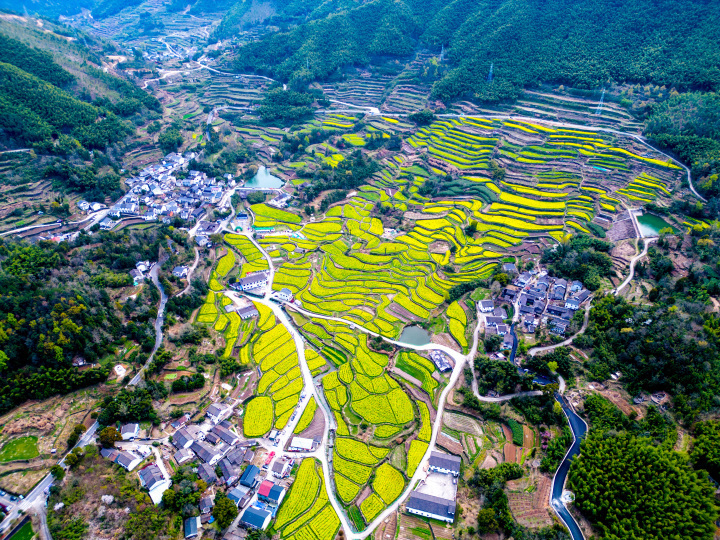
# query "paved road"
(536, 350)
(37, 495)
(190, 272)
(310, 389)
(158, 323)
(95, 217)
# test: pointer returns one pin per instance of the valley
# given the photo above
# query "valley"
(262, 282)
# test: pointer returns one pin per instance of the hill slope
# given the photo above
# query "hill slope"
(56, 99)
(581, 43)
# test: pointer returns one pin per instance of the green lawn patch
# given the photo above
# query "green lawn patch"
(422, 532)
(21, 448)
(25, 533)
(356, 517)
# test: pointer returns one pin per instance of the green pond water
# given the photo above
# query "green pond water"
(414, 335)
(263, 179)
(651, 225)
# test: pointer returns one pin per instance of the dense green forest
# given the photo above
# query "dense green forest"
(583, 258)
(689, 125)
(656, 349)
(44, 106)
(56, 307)
(632, 489)
(579, 43)
(35, 61)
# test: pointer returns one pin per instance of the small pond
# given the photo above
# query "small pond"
(415, 335)
(263, 179)
(651, 225)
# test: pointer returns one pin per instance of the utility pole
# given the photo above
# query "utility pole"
(598, 111)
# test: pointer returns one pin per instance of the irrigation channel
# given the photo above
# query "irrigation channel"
(578, 428)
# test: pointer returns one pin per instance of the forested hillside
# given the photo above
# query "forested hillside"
(56, 99)
(580, 43)
(58, 304)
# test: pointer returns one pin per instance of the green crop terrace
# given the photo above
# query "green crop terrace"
(554, 182)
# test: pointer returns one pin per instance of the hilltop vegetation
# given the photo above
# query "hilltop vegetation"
(52, 312)
(620, 482)
(53, 100)
(579, 43)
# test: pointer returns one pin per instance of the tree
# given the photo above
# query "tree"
(109, 436)
(170, 140)
(502, 278)
(58, 472)
(486, 521)
(705, 453)
(492, 343)
(610, 467)
(422, 118)
(74, 458)
(224, 510)
(74, 436)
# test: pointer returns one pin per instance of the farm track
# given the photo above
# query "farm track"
(329, 419)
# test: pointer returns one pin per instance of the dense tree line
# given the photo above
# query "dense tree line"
(579, 43)
(349, 174)
(283, 106)
(689, 125)
(655, 349)
(188, 384)
(632, 489)
(50, 313)
(134, 405)
(705, 452)
(583, 258)
(503, 377)
(34, 61)
(558, 360)
(321, 48)
(604, 416)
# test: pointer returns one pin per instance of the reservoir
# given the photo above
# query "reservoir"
(263, 179)
(415, 335)
(651, 225)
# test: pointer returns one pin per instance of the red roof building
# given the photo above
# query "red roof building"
(265, 487)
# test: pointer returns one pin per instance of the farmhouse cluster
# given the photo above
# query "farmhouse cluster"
(541, 300)
(166, 190)
(248, 471)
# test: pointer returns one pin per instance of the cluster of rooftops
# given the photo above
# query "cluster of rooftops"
(157, 194)
(541, 299)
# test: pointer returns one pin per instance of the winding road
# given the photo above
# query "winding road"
(158, 323)
(633, 261)
(460, 361)
(37, 497)
(568, 341)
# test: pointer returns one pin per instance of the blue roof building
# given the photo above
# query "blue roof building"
(248, 477)
(254, 518)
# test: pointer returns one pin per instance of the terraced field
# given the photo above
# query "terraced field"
(524, 186)
(306, 512)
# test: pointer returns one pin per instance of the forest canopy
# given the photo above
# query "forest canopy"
(632, 489)
(581, 43)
